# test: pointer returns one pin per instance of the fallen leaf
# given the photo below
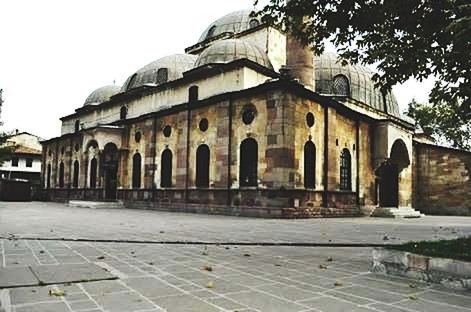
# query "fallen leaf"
(56, 292)
(208, 268)
(330, 259)
(412, 297)
(322, 267)
(161, 232)
(277, 264)
(338, 284)
(41, 251)
(100, 257)
(210, 285)
(246, 255)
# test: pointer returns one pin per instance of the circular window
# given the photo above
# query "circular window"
(248, 114)
(310, 119)
(76, 147)
(167, 131)
(203, 124)
(137, 136)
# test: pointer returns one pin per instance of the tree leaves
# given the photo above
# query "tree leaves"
(403, 38)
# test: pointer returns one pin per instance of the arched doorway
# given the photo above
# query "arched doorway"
(389, 172)
(110, 167)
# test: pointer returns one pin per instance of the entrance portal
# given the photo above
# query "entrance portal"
(389, 175)
(388, 185)
(110, 167)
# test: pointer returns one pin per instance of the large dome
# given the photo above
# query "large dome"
(101, 95)
(226, 51)
(164, 69)
(330, 80)
(234, 22)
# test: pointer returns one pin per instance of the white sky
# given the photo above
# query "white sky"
(53, 53)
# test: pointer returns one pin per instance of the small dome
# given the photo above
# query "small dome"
(101, 95)
(234, 22)
(330, 80)
(165, 69)
(226, 51)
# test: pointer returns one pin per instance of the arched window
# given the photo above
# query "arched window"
(136, 171)
(341, 86)
(93, 172)
(48, 176)
(193, 94)
(77, 125)
(253, 23)
(248, 162)
(345, 170)
(162, 75)
(131, 82)
(202, 166)
(123, 112)
(75, 178)
(210, 32)
(61, 174)
(166, 169)
(309, 165)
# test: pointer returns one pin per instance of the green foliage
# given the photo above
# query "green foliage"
(403, 38)
(459, 249)
(443, 122)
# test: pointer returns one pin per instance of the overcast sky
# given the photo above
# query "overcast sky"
(54, 53)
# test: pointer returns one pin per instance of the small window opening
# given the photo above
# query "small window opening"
(162, 75)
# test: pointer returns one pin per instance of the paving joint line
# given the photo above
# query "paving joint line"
(156, 242)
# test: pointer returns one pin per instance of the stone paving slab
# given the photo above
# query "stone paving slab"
(14, 277)
(52, 274)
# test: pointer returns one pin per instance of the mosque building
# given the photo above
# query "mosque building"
(248, 122)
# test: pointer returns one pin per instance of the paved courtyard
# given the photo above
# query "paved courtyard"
(140, 263)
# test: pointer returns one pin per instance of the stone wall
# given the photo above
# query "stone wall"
(441, 180)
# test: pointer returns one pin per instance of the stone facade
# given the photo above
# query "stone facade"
(441, 180)
(269, 145)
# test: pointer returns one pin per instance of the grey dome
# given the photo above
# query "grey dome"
(101, 95)
(225, 51)
(327, 68)
(174, 66)
(234, 22)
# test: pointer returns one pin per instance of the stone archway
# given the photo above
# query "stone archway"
(389, 175)
(110, 168)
